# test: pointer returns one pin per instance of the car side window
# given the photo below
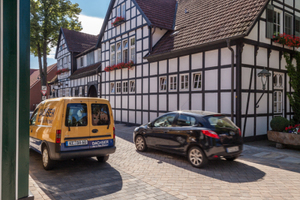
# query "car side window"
(165, 121)
(33, 118)
(186, 120)
(100, 114)
(76, 114)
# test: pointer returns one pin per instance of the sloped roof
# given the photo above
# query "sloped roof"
(86, 71)
(160, 13)
(32, 70)
(35, 76)
(78, 41)
(200, 22)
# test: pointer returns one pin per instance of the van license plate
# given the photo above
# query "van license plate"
(76, 143)
(232, 149)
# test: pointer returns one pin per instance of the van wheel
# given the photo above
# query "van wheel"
(140, 143)
(197, 157)
(102, 158)
(48, 163)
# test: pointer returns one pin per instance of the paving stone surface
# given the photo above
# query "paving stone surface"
(262, 172)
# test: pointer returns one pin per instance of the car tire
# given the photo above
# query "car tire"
(102, 158)
(47, 162)
(231, 158)
(140, 143)
(197, 157)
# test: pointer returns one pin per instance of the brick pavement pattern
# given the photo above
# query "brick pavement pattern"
(260, 173)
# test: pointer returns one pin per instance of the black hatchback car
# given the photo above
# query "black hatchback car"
(199, 135)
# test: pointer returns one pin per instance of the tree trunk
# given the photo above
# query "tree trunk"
(40, 66)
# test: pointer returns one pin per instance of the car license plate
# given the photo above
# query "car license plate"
(232, 149)
(77, 143)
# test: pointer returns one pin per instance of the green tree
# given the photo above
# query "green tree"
(46, 19)
(294, 74)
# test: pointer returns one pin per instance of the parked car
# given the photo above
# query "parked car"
(199, 135)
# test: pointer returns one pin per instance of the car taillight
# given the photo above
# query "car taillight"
(210, 134)
(240, 132)
(58, 136)
(114, 132)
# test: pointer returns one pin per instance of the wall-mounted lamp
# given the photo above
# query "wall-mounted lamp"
(264, 75)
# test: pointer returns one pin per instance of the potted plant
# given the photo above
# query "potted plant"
(118, 21)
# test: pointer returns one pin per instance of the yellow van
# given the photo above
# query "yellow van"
(71, 127)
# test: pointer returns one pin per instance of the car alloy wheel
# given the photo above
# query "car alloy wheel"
(140, 143)
(196, 157)
(45, 157)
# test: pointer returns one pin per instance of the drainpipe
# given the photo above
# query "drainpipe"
(151, 40)
(232, 77)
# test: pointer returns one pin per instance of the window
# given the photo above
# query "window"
(184, 82)
(73, 92)
(277, 102)
(276, 22)
(33, 118)
(185, 120)
(297, 26)
(119, 87)
(100, 115)
(112, 55)
(125, 87)
(112, 87)
(132, 49)
(85, 90)
(90, 58)
(278, 80)
(173, 83)
(163, 83)
(125, 51)
(288, 24)
(119, 48)
(123, 10)
(76, 115)
(132, 86)
(273, 22)
(81, 62)
(218, 121)
(80, 91)
(197, 81)
(165, 121)
(119, 11)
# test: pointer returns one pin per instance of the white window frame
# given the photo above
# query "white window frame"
(132, 56)
(81, 62)
(119, 52)
(125, 48)
(85, 90)
(278, 101)
(184, 82)
(132, 86)
(276, 77)
(173, 83)
(73, 92)
(118, 87)
(80, 92)
(125, 87)
(118, 11)
(163, 83)
(123, 10)
(277, 22)
(112, 88)
(291, 24)
(112, 54)
(198, 81)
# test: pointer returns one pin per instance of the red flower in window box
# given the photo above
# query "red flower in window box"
(288, 40)
(122, 65)
(58, 72)
(118, 21)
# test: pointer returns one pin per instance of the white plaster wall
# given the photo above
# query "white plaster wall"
(211, 58)
(139, 33)
(139, 45)
(262, 33)
(153, 84)
(124, 73)
(253, 34)
(246, 74)
(112, 75)
(145, 44)
(183, 102)
(138, 102)
(124, 102)
(145, 85)
(184, 63)
(263, 104)
(274, 59)
(173, 65)
(139, 58)
(153, 102)
(226, 55)
(107, 88)
(226, 103)
(262, 57)
(112, 102)
(197, 61)
(226, 78)
(249, 127)
(172, 102)
(290, 2)
(153, 116)
(139, 117)
(162, 67)
(145, 70)
(211, 80)
(157, 35)
(118, 101)
(145, 117)
(118, 115)
(248, 54)
(261, 125)
(132, 102)
(244, 103)
(163, 102)
(145, 31)
(196, 101)
(153, 68)
(138, 86)
(139, 20)
(124, 115)
(145, 102)
(283, 63)
(211, 102)
(138, 71)
(132, 72)
(131, 116)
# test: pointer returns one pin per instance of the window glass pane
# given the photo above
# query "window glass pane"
(119, 46)
(220, 122)
(132, 41)
(275, 80)
(76, 115)
(125, 56)
(100, 114)
(112, 88)
(119, 57)
(165, 121)
(280, 80)
(185, 120)
(125, 44)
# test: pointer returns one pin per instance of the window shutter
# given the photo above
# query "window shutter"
(270, 21)
(297, 26)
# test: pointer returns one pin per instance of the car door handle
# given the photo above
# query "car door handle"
(95, 130)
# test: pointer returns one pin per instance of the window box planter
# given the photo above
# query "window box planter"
(118, 21)
(282, 138)
(128, 65)
(58, 72)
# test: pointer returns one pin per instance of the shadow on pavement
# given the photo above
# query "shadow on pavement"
(83, 178)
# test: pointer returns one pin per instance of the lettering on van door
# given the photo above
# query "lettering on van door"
(46, 115)
(101, 143)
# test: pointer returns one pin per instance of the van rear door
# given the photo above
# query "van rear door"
(102, 124)
(75, 129)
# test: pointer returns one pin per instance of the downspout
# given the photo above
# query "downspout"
(232, 77)
(151, 38)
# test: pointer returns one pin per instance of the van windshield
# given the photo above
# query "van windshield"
(76, 114)
(219, 121)
(100, 114)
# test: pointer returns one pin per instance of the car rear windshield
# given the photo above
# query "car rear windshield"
(219, 121)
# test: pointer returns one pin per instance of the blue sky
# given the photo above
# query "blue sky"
(93, 12)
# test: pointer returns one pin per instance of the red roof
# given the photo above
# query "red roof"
(35, 76)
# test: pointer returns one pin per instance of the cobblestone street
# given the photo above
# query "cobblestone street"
(262, 172)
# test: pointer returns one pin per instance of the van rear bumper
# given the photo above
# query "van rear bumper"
(81, 153)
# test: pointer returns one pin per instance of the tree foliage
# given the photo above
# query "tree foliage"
(294, 74)
(46, 19)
